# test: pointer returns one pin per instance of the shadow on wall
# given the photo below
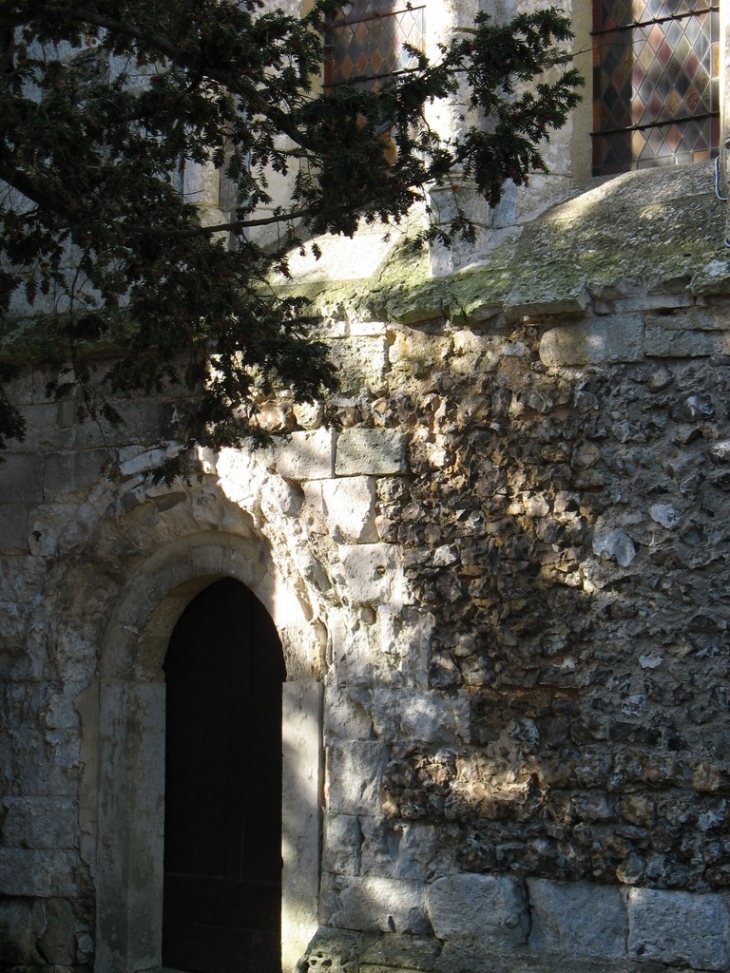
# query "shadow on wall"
(565, 534)
(563, 531)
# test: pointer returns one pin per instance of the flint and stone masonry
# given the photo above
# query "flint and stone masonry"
(500, 581)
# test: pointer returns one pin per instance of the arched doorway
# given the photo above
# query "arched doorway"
(125, 805)
(224, 671)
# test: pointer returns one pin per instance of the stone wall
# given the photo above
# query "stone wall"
(567, 534)
(506, 565)
(563, 537)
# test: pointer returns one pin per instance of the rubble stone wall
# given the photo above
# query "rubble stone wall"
(563, 718)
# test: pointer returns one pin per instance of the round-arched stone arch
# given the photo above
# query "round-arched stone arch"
(130, 746)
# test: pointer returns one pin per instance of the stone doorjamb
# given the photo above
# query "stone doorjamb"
(130, 824)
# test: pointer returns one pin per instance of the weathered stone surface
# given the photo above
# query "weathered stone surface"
(306, 455)
(300, 821)
(59, 938)
(669, 342)
(356, 768)
(490, 907)
(402, 952)
(343, 950)
(361, 362)
(678, 927)
(347, 506)
(23, 477)
(343, 258)
(40, 822)
(66, 472)
(381, 904)
(664, 514)
(337, 950)
(14, 527)
(370, 452)
(614, 544)
(595, 342)
(46, 763)
(41, 873)
(421, 716)
(342, 844)
(370, 572)
(577, 919)
(22, 921)
(397, 849)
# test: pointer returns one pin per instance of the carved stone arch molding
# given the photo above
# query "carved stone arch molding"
(130, 810)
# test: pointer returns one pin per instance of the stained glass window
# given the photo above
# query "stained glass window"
(368, 41)
(655, 70)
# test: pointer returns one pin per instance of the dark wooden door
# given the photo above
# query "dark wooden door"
(222, 896)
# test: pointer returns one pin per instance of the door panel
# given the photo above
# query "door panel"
(224, 669)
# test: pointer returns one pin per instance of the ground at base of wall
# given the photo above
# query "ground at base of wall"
(44, 968)
(341, 951)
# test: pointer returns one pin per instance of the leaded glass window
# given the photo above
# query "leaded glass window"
(368, 41)
(655, 70)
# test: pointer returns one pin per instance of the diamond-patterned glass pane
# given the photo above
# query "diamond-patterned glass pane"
(369, 40)
(655, 82)
(610, 14)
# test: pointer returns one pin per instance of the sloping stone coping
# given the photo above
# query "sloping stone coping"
(644, 240)
(627, 240)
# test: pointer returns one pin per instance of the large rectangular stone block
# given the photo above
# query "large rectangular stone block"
(381, 905)
(371, 573)
(681, 928)
(342, 843)
(66, 472)
(401, 952)
(37, 872)
(370, 452)
(402, 850)
(662, 340)
(29, 385)
(426, 716)
(360, 326)
(360, 361)
(347, 505)
(306, 455)
(46, 763)
(354, 772)
(22, 478)
(14, 527)
(45, 425)
(40, 822)
(22, 923)
(301, 819)
(140, 423)
(608, 339)
(488, 907)
(578, 918)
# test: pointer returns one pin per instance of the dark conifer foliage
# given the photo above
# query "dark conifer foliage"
(101, 101)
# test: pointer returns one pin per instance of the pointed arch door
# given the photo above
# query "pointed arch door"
(222, 891)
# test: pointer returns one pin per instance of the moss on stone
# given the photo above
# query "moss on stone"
(653, 231)
(649, 231)
(42, 339)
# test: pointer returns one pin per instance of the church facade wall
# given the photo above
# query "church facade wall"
(502, 570)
